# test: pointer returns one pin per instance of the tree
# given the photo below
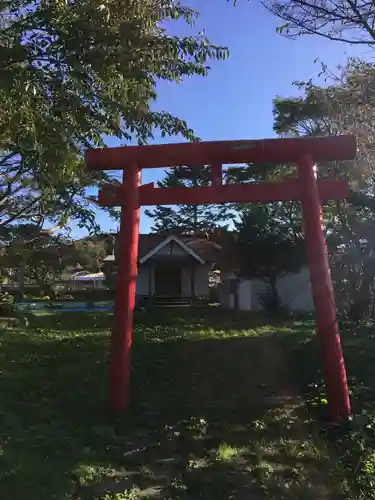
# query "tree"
(46, 202)
(41, 260)
(346, 106)
(287, 213)
(268, 247)
(349, 21)
(267, 237)
(91, 251)
(189, 218)
(72, 72)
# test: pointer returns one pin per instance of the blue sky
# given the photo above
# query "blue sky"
(235, 100)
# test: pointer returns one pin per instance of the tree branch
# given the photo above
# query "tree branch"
(318, 18)
(23, 212)
(53, 229)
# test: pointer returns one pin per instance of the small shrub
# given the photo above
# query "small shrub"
(9, 310)
(272, 304)
(6, 298)
(6, 304)
(270, 300)
(229, 453)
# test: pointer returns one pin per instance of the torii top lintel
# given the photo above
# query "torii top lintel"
(286, 150)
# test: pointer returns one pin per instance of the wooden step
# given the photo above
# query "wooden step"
(171, 301)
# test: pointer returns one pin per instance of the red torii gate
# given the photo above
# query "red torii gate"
(131, 195)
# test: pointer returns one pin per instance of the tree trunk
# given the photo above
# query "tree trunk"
(21, 279)
(273, 287)
(271, 300)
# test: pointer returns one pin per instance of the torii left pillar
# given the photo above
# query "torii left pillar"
(119, 364)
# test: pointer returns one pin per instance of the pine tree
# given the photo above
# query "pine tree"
(189, 219)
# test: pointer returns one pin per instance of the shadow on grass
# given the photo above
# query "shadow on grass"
(210, 419)
(160, 324)
(358, 343)
(356, 443)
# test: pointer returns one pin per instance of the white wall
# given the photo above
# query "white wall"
(245, 297)
(201, 281)
(294, 290)
(201, 287)
(142, 281)
(244, 293)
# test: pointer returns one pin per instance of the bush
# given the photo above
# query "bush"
(79, 295)
(30, 292)
(270, 300)
(8, 309)
(6, 304)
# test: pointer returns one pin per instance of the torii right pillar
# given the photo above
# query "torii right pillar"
(324, 300)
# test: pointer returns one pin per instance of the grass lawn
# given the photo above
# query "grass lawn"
(224, 407)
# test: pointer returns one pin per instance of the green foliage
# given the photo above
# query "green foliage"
(40, 260)
(6, 304)
(71, 73)
(189, 218)
(248, 442)
(229, 453)
(9, 311)
(89, 295)
(268, 247)
(46, 259)
(345, 106)
(269, 241)
(6, 299)
(91, 251)
(132, 494)
(306, 115)
(263, 172)
(355, 444)
(270, 300)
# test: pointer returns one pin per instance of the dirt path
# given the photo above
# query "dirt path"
(221, 420)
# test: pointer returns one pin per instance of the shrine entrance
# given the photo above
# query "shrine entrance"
(167, 281)
(312, 193)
